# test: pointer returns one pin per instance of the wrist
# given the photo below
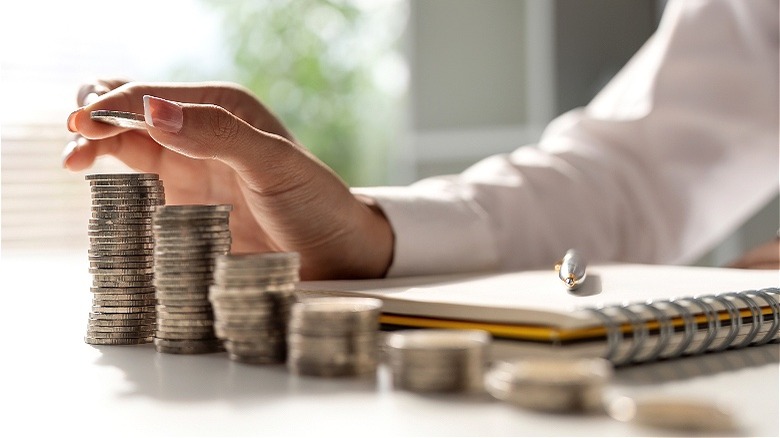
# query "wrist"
(378, 246)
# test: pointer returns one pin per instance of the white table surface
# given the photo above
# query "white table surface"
(56, 385)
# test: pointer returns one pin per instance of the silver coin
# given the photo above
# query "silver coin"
(221, 226)
(122, 119)
(119, 335)
(121, 329)
(187, 344)
(190, 237)
(199, 326)
(123, 309)
(123, 207)
(206, 349)
(105, 275)
(257, 360)
(255, 348)
(689, 415)
(206, 244)
(137, 186)
(124, 296)
(118, 235)
(121, 176)
(151, 192)
(262, 259)
(183, 303)
(144, 223)
(134, 316)
(126, 265)
(97, 324)
(248, 336)
(161, 316)
(124, 303)
(194, 209)
(551, 384)
(122, 271)
(182, 291)
(126, 341)
(183, 309)
(184, 336)
(185, 252)
(180, 323)
(167, 267)
(126, 188)
(124, 204)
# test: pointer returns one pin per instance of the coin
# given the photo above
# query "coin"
(126, 341)
(344, 342)
(122, 119)
(673, 413)
(438, 360)
(188, 346)
(250, 316)
(551, 384)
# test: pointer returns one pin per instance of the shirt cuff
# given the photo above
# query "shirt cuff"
(436, 230)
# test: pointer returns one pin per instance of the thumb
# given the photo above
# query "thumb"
(205, 131)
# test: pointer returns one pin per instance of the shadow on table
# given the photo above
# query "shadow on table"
(203, 377)
(701, 365)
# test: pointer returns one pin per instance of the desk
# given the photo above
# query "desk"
(56, 385)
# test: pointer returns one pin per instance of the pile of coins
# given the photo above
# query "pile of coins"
(438, 360)
(551, 384)
(121, 257)
(188, 238)
(252, 295)
(334, 336)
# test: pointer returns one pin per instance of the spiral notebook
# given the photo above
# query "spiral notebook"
(627, 313)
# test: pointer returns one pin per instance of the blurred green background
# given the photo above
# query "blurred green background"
(325, 68)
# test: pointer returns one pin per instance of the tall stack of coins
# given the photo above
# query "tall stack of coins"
(188, 238)
(334, 336)
(252, 295)
(121, 246)
(438, 360)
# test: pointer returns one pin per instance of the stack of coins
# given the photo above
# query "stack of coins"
(334, 336)
(438, 360)
(121, 246)
(551, 384)
(252, 295)
(188, 238)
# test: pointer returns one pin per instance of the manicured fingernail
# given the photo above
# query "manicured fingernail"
(72, 121)
(163, 114)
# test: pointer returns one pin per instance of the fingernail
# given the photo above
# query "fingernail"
(70, 148)
(163, 114)
(72, 121)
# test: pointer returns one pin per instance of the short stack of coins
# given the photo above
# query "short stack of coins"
(550, 383)
(334, 336)
(121, 257)
(438, 360)
(188, 238)
(252, 296)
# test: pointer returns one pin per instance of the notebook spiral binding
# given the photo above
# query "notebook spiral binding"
(691, 335)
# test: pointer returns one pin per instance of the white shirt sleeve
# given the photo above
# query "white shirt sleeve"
(677, 151)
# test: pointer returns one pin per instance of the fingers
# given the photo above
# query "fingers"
(138, 152)
(89, 93)
(211, 132)
(128, 97)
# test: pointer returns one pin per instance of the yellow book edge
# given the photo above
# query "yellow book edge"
(540, 333)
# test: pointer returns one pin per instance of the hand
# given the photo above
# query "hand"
(214, 143)
(765, 256)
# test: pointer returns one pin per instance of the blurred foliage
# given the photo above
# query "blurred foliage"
(314, 63)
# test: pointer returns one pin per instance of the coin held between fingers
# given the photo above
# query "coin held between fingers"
(122, 119)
